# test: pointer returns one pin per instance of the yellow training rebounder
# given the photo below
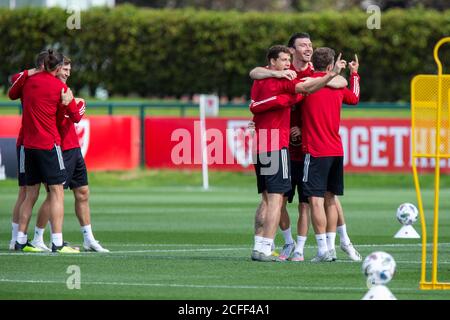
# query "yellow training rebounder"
(430, 141)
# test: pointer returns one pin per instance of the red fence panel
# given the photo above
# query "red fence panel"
(370, 145)
(107, 142)
(110, 142)
(113, 143)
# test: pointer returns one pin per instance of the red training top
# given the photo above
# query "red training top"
(66, 127)
(41, 97)
(321, 116)
(273, 124)
(295, 145)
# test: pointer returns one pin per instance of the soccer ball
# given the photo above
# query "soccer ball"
(407, 214)
(379, 268)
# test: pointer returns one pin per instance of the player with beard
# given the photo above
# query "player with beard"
(301, 49)
(272, 126)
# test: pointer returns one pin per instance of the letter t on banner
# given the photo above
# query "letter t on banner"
(209, 106)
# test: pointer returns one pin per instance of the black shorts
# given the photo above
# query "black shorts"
(323, 174)
(46, 166)
(76, 169)
(296, 182)
(21, 176)
(273, 171)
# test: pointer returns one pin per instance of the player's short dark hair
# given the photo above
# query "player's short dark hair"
(66, 61)
(295, 36)
(53, 60)
(322, 58)
(40, 59)
(274, 51)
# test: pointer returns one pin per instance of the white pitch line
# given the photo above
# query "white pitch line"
(125, 253)
(46, 254)
(182, 250)
(174, 285)
(247, 246)
(119, 244)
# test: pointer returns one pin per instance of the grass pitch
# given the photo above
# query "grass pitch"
(172, 240)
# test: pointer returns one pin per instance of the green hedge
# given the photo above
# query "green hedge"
(178, 52)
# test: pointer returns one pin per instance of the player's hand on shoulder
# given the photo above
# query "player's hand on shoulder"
(66, 97)
(287, 74)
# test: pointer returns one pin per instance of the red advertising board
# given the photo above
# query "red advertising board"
(370, 145)
(9, 126)
(112, 142)
(107, 142)
(175, 143)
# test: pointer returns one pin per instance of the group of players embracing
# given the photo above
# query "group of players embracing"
(296, 117)
(49, 153)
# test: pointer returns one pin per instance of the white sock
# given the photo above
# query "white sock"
(21, 237)
(266, 246)
(287, 236)
(87, 233)
(331, 238)
(14, 230)
(57, 239)
(322, 243)
(38, 234)
(300, 244)
(258, 243)
(343, 236)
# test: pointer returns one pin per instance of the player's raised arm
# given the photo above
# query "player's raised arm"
(354, 65)
(315, 84)
(259, 73)
(351, 96)
(338, 82)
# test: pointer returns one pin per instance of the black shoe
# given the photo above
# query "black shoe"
(26, 247)
(19, 247)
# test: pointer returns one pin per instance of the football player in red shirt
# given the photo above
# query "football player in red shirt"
(77, 178)
(272, 128)
(322, 146)
(42, 96)
(301, 67)
(14, 93)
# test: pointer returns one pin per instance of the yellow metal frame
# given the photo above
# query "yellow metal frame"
(434, 284)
